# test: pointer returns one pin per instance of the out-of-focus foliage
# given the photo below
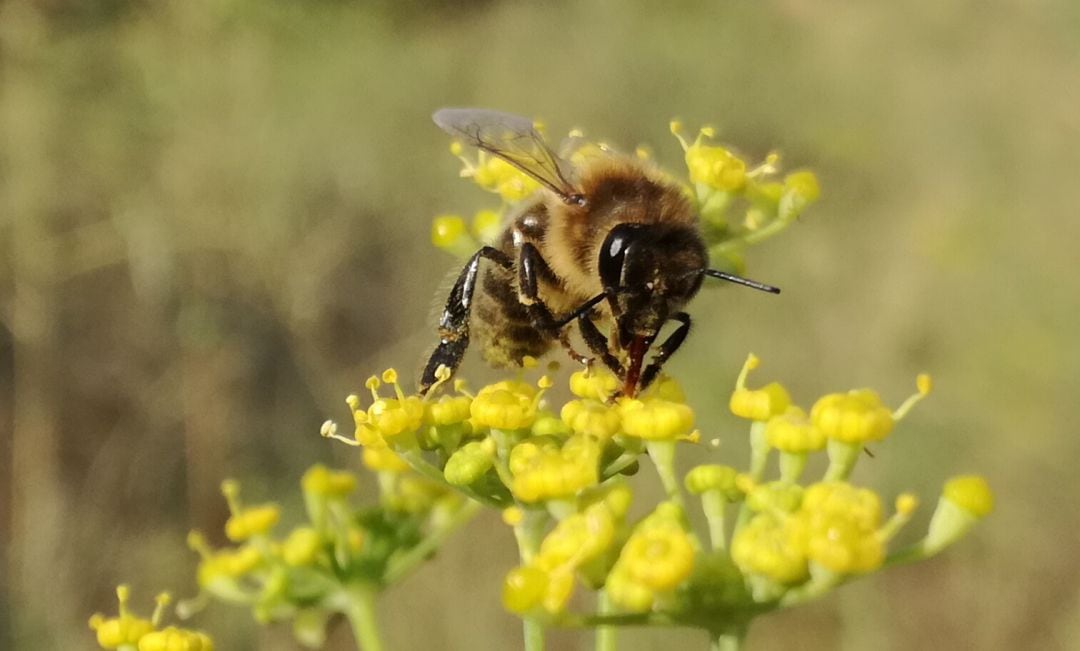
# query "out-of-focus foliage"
(216, 212)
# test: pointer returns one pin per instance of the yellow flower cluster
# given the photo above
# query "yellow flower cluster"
(129, 631)
(547, 580)
(844, 421)
(496, 175)
(834, 525)
(656, 559)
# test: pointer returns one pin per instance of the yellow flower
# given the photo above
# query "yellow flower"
(773, 546)
(229, 564)
(470, 462)
(124, 629)
(757, 404)
(381, 458)
(858, 416)
(302, 546)
(448, 232)
(656, 419)
(448, 410)
(578, 538)
(524, 588)
(657, 558)
(323, 482)
(252, 521)
(964, 501)
(496, 175)
(548, 472)
(486, 226)
(506, 405)
(591, 417)
(793, 432)
(386, 418)
(176, 639)
(854, 417)
(711, 165)
(246, 522)
(803, 184)
(842, 524)
(713, 477)
(594, 383)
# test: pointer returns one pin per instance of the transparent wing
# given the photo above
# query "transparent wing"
(513, 139)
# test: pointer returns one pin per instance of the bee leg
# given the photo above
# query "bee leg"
(667, 348)
(454, 323)
(564, 339)
(598, 344)
(531, 267)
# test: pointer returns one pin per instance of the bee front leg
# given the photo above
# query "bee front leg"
(532, 267)
(666, 349)
(454, 323)
(598, 344)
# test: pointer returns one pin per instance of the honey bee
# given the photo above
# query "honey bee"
(609, 242)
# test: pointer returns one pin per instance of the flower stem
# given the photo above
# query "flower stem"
(730, 639)
(402, 565)
(359, 608)
(605, 635)
(529, 533)
(662, 454)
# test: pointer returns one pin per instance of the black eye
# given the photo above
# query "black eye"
(613, 254)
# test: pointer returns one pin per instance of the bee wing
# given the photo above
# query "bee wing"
(513, 139)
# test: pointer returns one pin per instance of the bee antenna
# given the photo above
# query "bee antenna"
(739, 280)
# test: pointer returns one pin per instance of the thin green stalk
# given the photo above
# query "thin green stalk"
(529, 532)
(359, 608)
(606, 639)
(662, 454)
(534, 634)
(408, 561)
(727, 641)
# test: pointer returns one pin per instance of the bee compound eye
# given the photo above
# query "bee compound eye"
(613, 254)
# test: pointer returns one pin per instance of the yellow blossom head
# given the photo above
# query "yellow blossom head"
(842, 524)
(123, 630)
(322, 482)
(171, 638)
(855, 417)
(507, 405)
(757, 404)
(594, 383)
(772, 546)
(592, 417)
(545, 471)
(793, 432)
(656, 419)
(711, 165)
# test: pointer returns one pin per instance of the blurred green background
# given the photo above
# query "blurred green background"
(215, 225)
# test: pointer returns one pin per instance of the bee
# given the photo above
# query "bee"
(609, 242)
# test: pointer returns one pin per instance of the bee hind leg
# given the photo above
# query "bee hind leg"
(667, 348)
(454, 323)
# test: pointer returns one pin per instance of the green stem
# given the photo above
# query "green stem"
(605, 635)
(402, 565)
(662, 454)
(727, 641)
(529, 533)
(842, 458)
(714, 504)
(359, 608)
(534, 634)
(759, 450)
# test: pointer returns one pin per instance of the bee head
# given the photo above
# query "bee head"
(649, 271)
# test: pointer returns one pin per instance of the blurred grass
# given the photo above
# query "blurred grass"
(215, 220)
